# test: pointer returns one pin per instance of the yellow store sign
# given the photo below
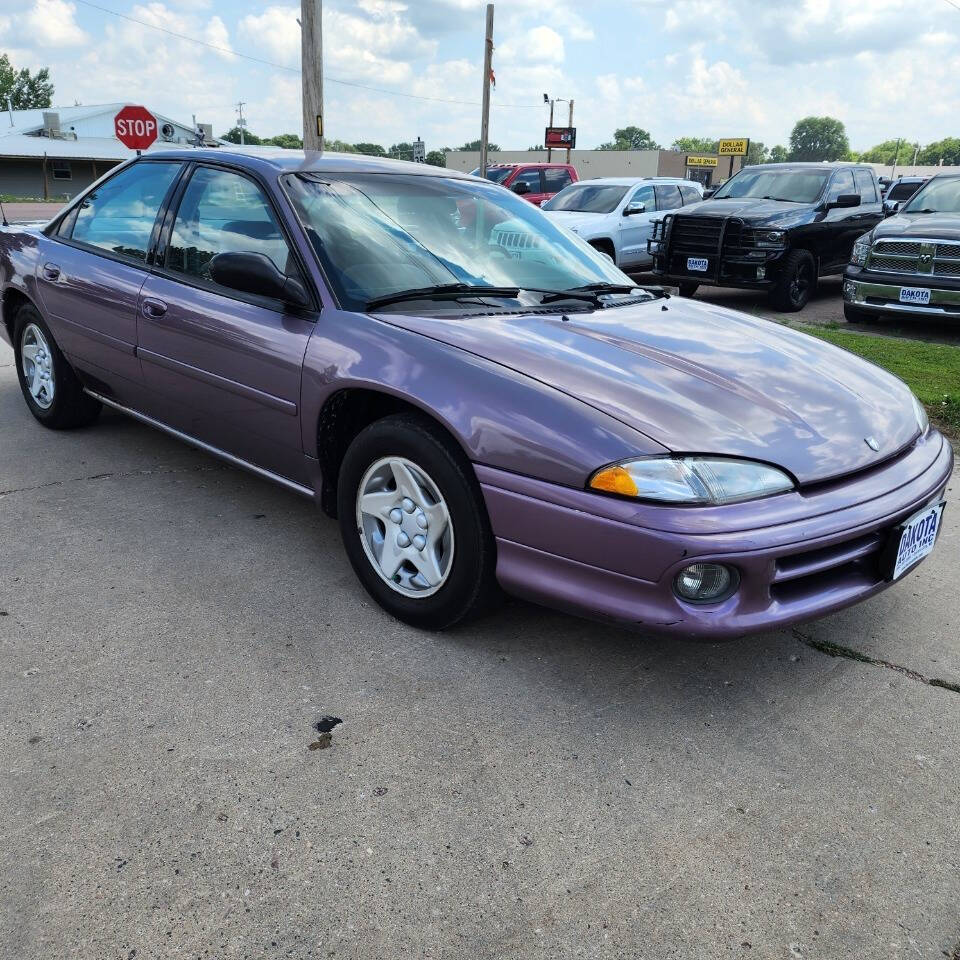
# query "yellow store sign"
(701, 161)
(733, 148)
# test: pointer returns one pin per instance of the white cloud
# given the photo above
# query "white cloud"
(51, 23)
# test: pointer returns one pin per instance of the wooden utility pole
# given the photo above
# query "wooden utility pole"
(549, 151)
(570, 125)
(311, 71)
(487, 67)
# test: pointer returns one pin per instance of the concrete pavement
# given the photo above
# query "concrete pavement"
(530, 786)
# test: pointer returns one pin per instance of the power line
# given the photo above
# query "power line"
(280, 66)
(956, 6)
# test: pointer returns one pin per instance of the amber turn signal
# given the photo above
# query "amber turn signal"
(614, 480)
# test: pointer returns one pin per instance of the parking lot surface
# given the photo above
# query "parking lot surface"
(531, 785)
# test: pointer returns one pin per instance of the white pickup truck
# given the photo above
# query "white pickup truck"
(616, 214)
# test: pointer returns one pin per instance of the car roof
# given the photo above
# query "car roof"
(512, 165)
(280, 161)
(631, 181)
(809, 165)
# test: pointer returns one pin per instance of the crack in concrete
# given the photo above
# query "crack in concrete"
(118, 476)
(838, 650)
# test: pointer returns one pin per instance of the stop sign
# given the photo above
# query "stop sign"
(135, 127)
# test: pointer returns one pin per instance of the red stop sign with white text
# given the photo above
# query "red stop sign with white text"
(135, 127)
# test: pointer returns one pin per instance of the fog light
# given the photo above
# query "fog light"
(761, 272)
(705, 582)
(849, 289)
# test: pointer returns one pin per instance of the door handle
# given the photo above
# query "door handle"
(51, 271)
(152, 309)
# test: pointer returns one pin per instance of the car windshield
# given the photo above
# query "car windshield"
(496, 174)
(383, 234)
(941, 195)
(587, 198)
(903, 191)
(797, 186)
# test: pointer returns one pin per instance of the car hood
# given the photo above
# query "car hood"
(935, 226)
(702, 379)
(577, 220)
(753, 210)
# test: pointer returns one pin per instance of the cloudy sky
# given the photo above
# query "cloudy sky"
(887, 68)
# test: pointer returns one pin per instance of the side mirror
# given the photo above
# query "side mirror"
(845, 200)
(637, 206)
(890, 208)
(255, 273)
(521, 187)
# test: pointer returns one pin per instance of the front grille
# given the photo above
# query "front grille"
(919, 257)
(799, 574)
(948, 250)
(886, 264)
(696, 234)
(895, 248)
(947, 268)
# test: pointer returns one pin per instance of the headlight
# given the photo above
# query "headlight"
(691, 480)
(861, 249)
(923, 421)
(770, 239)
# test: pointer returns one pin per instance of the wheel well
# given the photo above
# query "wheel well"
(13, 300)
(343, 415)
(605, 245)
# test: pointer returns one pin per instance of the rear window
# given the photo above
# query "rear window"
(865, 186)
(496, 174)
(587, 198)
(903, 191)
(555, 179)
(690, 194)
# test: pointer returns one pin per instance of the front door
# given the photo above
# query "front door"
(225, 366)
(92, 271)
(636, 228)
(533, 178)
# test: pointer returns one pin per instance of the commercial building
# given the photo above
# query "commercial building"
(56, 153)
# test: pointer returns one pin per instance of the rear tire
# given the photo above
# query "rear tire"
(50, 387)
(414, 524)
(688, 289)
(854, 314)
(796, 283)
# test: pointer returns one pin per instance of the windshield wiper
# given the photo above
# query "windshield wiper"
(443, 291)
(782, 199)
(925, 210)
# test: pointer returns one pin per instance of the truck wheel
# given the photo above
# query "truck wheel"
(854, 314)
(688, 289)
(50, 387)
(606, 248)
(414, 523)
(798, 278)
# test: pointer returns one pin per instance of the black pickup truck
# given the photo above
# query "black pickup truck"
(910, 264)
(775, 226)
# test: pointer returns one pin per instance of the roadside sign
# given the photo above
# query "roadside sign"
(419, 151)
(735, 147)
(701, 161)
(135, 127)
(563, 137)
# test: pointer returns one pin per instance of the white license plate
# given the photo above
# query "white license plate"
(698, 263)
(914, 295)
(917, 537)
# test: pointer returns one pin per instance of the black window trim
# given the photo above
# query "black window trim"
(164, 229)
(51, 230)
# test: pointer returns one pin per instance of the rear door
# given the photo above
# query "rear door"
(637, 228)
(842, 223)
(554, 180)
(93, 268)
(225, 366)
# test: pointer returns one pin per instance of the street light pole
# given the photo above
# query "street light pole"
(570, 125)
(311, 72)
(487, 67)
(549, 150)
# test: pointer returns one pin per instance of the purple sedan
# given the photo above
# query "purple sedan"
(482, 399)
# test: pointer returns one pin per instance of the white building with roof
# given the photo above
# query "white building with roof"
(58, 152)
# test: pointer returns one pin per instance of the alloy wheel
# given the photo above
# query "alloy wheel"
(37, 363)
(405, 526)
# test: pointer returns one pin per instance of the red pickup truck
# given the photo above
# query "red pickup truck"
(536, 182)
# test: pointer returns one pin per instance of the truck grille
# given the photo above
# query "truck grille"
(696, 234)
(919, 257)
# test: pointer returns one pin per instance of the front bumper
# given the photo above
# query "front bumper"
(800, 555)
(880, 293)
(758, 270)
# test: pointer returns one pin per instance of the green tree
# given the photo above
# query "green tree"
(473, 146)
(436, 158)
(819, 138)
(694, 145)
(886, 152)
(401, 151)
(778, 154)
(370, 149)
(22, 91)
(947, 150)
(289, 141)
(233, 136)
(756, 153)
(630, 138)
(339, 146)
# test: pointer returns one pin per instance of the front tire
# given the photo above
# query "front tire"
(50, 387)
(687, 289)
(796, 283)
(414, 525)
(854, 314)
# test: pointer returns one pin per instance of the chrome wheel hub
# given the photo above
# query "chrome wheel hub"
(405, 527)
(37, 364)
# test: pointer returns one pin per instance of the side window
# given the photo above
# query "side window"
(865, 187)
(690, 194)
(223, 212)
(531, 178)
(555, 179)
(119, 215)
(668, 197)
(842, 183)
(645, 196)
